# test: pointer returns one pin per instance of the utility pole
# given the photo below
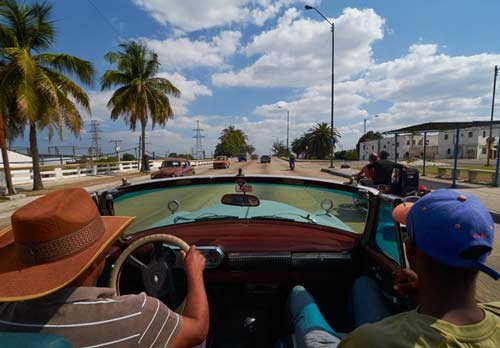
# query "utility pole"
(198, 150)
(117, 148)
(95, 137)
(490, 138)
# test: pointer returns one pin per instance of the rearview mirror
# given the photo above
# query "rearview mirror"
(240, 200)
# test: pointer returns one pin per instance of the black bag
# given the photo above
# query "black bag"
(404, 181)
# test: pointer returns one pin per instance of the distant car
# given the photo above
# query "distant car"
(265, 159)
(221, 162)
(173, 167)
(242, 157)
(254, 157)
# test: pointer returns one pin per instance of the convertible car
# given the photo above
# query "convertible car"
(261, 235)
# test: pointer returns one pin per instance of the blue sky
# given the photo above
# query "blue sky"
(235, 61)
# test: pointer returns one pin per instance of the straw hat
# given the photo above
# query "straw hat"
(52, 241)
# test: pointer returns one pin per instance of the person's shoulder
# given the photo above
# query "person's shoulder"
(493, 307)
(385, 333)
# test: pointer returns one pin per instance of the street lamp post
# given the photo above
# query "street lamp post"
(332, 28)
(364, 123)
(490, 139)
(287, 125)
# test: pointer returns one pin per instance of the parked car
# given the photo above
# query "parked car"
(221, 162)
(254, 157)
(242, 157)
(173, 167)
(265, 159)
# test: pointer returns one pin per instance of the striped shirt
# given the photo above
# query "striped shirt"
(95, 317)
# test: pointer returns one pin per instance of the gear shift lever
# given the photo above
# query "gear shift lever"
(250, 326)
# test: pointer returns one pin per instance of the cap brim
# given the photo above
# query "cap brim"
(400, 213)
(22, 282)
(489, 271)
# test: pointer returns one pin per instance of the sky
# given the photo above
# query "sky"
(236, 61)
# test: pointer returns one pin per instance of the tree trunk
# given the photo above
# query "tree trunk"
(5, 157)
(37, 176)
(143, 147)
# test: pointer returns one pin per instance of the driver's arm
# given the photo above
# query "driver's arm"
(195, 318)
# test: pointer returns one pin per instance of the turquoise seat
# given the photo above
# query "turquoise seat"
(32, 340)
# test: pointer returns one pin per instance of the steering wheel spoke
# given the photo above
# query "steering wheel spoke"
(135, 262)
(156, 274)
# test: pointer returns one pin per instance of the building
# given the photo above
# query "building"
(408, 147)
(472, 142)
(17, 160)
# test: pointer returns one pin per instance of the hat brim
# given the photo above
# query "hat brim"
(24, 282)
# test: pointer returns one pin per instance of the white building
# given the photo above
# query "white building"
(472, 143)
(440, 145)
(17, 160)
(408, 147)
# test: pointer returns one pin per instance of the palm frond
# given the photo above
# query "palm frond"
(82, 69)
(113, 78)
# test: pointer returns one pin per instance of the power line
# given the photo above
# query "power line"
(104, 17)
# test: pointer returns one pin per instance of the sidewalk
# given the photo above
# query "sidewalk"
(90, 184)
(488, 195)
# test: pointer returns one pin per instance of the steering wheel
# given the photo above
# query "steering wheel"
(156, 273)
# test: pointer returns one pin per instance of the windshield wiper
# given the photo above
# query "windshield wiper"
(206, 217)
(216, 217)
(281, 218)
(271, 217)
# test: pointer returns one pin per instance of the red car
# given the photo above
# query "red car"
(221, 162)
(173, 167)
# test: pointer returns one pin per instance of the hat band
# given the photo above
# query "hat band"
(36, 253)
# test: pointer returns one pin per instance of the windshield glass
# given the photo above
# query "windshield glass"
(171, 164)
(302, 204)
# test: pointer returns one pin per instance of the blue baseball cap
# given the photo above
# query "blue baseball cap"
(452, 227)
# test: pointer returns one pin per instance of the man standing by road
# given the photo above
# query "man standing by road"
(383, 169)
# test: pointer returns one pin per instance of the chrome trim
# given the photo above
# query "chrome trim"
(341, 255)
(204, 250)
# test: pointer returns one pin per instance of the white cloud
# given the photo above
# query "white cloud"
(297, 53)
(181, 52)
(191, 15)
(422, 86)
(190, 90)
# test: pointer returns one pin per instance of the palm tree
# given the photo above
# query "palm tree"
(44, 96)
(140, 94)
(318, 140)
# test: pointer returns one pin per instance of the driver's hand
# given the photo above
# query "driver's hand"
(194, 261)
(406, 283)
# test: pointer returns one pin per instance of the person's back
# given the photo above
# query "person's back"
(414, 330)
(449, 236)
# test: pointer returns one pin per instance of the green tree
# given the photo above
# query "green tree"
(315, 142)
(128, 157)
(44, 96)
(280, 150)
(232, 142)
(141, 95)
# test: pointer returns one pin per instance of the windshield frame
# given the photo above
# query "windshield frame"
(104, 198)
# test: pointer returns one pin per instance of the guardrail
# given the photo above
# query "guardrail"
(24, 175)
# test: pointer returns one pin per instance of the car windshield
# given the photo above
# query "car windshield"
(337, 209)
(168, 164)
